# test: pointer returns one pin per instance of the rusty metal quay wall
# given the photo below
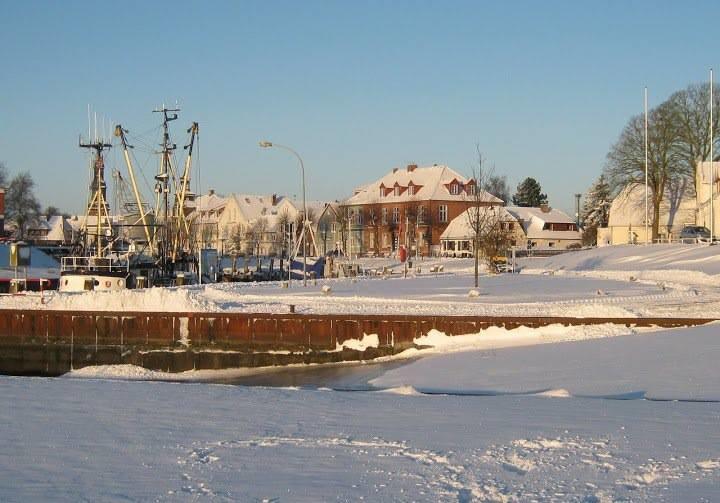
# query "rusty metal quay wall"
(52, 342)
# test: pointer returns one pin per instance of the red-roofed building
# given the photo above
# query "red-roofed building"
(409, 206)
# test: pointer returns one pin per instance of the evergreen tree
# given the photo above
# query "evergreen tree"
(596, 208)
(529, 194)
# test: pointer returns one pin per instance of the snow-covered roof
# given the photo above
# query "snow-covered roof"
(533, 221)
(552, 215)
(429, 183)
(253, 206)
(58, 226)
(208, 202)
(460, 227)
(628, 207)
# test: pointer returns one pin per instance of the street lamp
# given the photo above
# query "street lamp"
(306, 222)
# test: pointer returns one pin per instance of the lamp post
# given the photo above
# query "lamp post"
(268, 144)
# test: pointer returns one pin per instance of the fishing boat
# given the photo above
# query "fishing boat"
(145, 246)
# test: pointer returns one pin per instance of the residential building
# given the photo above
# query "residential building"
(626, 220)
(50, 230)
(263, 224)
(458, 238)
(703, 191)
(409, 206)
(536, 228)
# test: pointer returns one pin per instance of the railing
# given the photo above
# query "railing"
(93, 264)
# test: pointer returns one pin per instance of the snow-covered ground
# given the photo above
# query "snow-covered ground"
(532, 438)
(588, 414)
(678, 364)
(658, 280)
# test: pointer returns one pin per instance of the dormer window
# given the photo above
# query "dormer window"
(471, 189)
(455, 189)
(411, 190)
(397, 190)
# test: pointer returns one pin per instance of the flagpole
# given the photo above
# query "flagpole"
(647, 237)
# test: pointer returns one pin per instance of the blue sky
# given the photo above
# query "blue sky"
(356, 87)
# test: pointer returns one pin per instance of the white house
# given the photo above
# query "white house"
(538, 228)
(703, 175)
(457, 239)
(626, 220)
(546, 227)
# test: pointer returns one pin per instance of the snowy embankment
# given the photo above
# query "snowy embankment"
(678, 264)
(433, 343)
(657, 280)
(678, 364)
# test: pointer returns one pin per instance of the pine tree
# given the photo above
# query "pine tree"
(596, 209)
(529, 194)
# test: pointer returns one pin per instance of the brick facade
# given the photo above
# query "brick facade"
(388, 213)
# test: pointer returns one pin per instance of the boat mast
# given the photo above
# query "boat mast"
(179, 210)
(162, 188)
(97, 205)
(120, 132)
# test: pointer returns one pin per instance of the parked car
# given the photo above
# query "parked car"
(694, 234)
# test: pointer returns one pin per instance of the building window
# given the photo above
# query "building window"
(382, 191)
(411, 190)
(384, 216)
(471, 189)
(421, 215)
(396, 215)
(397, 190)
(442, 213)
(455, 189)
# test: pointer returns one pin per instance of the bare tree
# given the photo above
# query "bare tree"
(498, 186)
(344, 215)
(626, 159)
(482, 219)
(256, 235)
(691, 110)
(284, 222)
(3, 174)
(21, 205)
(236, 238)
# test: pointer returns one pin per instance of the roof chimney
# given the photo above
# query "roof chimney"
(211, 192)
(411, 168)
(545, 208)
(395, 170)
(274, 199)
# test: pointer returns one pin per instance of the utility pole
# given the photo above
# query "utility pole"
(712, 164)
(577, 209)
(647, 237)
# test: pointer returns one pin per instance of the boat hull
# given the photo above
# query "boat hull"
(82, 281)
